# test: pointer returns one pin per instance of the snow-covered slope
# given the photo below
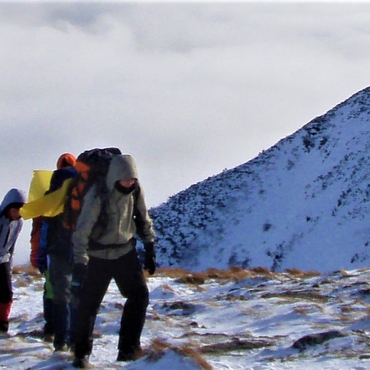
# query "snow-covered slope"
(237, 319)
(302, 203)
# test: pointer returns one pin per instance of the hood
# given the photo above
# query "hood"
(66, 160)
(122, 167)
(13, 196)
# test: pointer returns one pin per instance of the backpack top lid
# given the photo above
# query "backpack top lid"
(92, 166)
(95, 161)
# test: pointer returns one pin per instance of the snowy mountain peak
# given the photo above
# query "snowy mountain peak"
(303, 203)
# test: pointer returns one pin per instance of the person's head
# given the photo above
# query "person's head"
(122, 171)
(12, 211)
(66, 160)
(11, 204)
(127, 183)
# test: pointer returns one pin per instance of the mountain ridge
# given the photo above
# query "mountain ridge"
(306, 194)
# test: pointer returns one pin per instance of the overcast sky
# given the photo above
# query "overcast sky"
(188, 89)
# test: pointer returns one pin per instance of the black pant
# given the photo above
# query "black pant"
(60, 270)
(128, 275)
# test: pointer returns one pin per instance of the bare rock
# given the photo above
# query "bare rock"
(318, 338)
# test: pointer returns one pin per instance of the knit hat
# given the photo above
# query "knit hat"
(66, 160)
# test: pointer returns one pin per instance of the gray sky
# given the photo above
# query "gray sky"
(188, 89)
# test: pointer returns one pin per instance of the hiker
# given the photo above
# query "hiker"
(10, 227)
(104, 249)
(55, 258)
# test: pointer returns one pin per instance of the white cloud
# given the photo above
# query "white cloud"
(187, 88)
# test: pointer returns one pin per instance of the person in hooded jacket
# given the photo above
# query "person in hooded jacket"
(104, 249)
(55, 257)
(10, 227)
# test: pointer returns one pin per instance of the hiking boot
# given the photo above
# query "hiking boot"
(125, 356)
(61, 347)
(81, 363)
(49, 337)
(131, 355)
(4, 326)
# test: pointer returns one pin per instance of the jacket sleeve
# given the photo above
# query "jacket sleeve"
(43, 243)
(144, 224)
(35, 240)
(89, 215)
(8, 236)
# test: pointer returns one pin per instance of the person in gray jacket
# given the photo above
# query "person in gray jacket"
(10, 227)
(104, 248)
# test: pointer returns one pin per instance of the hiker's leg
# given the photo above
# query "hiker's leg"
(48, 307)
(6, 295)
(60, 278)
(130, 280)
(92, 293)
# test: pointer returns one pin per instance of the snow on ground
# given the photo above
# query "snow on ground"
(236, 319)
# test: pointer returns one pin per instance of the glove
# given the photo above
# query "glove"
(78, 276)
(150, 259)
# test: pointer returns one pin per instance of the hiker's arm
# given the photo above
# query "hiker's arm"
(144, 224)
(86, 221)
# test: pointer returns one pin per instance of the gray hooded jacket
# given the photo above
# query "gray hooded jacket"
(9, 230)
(117, 236)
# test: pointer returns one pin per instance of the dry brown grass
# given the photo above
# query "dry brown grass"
(236, 344)
(23, 283)
(28, 270)
(302, 274)
(305, 310)
(25, 275)
(363, 269)
(158, 348)
(172, 272)
(168, 288)
(234, 273)
(345, 317)
(259, 270)
(195, 279)
(199, 278)
(301, 310)
(304, 295)
(195, 356)
(346, 309)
